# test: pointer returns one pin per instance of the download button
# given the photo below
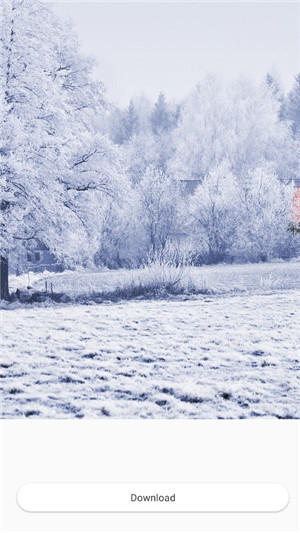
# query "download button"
(152, 497)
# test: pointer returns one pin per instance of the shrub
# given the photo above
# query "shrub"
(166, 266)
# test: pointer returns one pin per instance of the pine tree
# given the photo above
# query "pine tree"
(292, 107)
(129, 122)
(160, 117)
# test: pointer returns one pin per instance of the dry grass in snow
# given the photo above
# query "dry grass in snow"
(217, 279)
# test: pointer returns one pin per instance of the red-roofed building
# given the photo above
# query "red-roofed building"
(296, 204)
(295, 211)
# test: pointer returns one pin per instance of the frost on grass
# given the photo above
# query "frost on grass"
(209, 357)
(217, 279)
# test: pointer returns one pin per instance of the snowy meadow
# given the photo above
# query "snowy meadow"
(230, 353)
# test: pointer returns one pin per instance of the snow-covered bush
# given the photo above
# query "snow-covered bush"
(166, 266)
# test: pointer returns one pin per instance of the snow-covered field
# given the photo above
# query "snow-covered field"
(217, 279)
(226, 355)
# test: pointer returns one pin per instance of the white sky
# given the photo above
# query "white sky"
(168, 46)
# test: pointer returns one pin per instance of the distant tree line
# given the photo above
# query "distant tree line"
(239, 141)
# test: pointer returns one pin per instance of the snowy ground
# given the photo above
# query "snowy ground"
(227, 356)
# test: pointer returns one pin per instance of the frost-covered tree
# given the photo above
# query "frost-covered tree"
(273, 83)
(292, 106)
(264, 205)
(140, 153)
(159, 206)
(244, 221)
(122, 238)
(161, 118)
(144, 133)
(214, 214)
(129, 123)
(197, 138)
(54, 170)
(123, 124)
(143, 108)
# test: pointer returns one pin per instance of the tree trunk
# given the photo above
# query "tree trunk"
(4, 278)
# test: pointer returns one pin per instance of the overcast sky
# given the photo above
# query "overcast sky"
(168, 46)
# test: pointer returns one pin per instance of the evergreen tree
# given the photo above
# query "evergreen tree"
(160, 117)
(129, 123)
(273, 84)
(292, 107)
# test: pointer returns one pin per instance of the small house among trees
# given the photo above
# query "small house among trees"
(35, 258)
(39, 258)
